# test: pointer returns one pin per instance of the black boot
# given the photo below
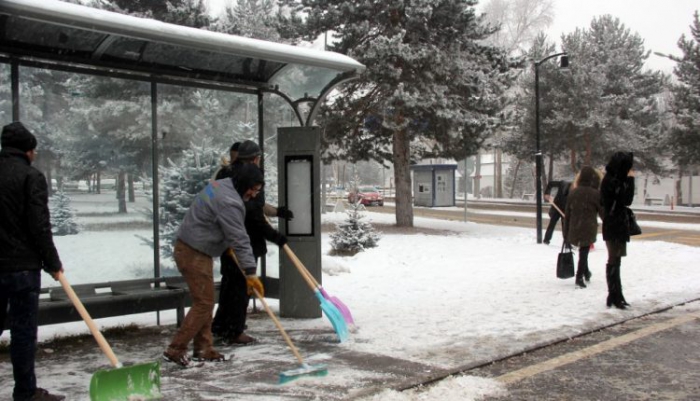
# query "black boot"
(587, 275)
(579, 278)
(618, 285)
(614, 290)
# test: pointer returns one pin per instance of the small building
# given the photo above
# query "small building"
(434, 185)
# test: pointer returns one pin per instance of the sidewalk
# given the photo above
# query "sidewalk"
(253, 371)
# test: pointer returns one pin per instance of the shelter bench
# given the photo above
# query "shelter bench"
(649, 201)
(115, 298)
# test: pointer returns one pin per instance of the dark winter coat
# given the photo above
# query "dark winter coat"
(583, 208)
(26, 242)
(257, 227)
(563, 188)
(617, 192)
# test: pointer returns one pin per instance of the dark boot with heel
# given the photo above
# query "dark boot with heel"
(615, 297)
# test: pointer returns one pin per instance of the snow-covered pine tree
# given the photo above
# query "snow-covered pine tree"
(62, 216)
(181, 182)
(353, 235)
(686, 99)
(432, 87)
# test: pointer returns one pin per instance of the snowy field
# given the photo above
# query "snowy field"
(467, 293)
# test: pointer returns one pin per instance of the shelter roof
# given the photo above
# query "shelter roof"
(72, 34)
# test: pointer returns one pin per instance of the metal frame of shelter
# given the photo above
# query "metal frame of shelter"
(67, 37)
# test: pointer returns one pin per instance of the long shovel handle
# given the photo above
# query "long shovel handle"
(104, 346)
(300, 266)
(558, 210)
(310, 279)
(294, 349)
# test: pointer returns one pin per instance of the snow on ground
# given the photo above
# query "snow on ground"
(447, 300)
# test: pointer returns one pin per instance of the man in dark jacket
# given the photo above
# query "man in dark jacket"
(26, 247)
(230, 318)
(559, 200)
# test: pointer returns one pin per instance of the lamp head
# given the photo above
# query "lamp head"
(564, 62)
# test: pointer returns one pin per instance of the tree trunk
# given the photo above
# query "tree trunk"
(477, 176)
(515, 178)
(498, 175)
(121, 191)
(132, 194)
(679, 191)
(402, 179)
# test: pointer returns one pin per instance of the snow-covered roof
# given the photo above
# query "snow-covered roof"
(75, 34)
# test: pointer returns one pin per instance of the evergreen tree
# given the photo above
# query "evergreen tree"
(250, 18)
(353, 235)
(431, 89)
(606, 102)
(62, 216)
(685, 135)
(181, 182)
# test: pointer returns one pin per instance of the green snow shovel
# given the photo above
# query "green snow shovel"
(136, 382)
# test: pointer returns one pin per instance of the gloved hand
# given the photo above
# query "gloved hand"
(281, 240)
(284, 213)
(253, 282)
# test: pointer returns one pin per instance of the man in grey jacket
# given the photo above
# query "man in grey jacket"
(213, 223)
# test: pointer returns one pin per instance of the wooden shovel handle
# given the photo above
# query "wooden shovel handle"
(310, 280)
(294, 349)
(104, 346)
(558, 210)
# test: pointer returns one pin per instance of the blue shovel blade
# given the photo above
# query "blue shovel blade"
(334, 315)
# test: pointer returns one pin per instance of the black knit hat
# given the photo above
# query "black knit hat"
(15, 135)
(248, 149)
(234, 147)
(248, 176)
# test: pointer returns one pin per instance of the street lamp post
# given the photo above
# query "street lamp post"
(564, 63)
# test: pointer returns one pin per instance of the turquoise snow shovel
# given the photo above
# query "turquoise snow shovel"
(137, 382)
(331, 312)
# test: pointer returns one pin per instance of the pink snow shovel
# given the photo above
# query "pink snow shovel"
(136, 382)
(340, 306)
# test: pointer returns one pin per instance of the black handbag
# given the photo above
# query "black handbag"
(565, 262)
(634, 228)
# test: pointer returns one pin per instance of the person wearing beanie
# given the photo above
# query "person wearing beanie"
(213, 224)
(230, 318)
(26, 247)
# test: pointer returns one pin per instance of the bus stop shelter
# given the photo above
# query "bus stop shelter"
(60, 36)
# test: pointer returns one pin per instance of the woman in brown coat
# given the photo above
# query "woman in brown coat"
(583, 207)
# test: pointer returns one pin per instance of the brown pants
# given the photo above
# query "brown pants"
(198, 270)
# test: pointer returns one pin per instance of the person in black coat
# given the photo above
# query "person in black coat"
(563, 188)
(26, 247)
(230, 318)
(617, 193)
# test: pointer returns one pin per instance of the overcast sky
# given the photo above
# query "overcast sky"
(659, 23)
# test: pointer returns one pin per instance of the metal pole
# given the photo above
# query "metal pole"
(465, 189)
(538, 156)
(538, 150)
